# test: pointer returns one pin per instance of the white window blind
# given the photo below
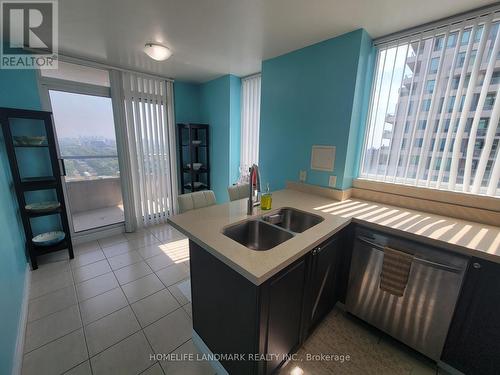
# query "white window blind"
(150, 137)
(435, 109)
(250, 120)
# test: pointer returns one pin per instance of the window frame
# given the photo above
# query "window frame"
(45, 84)
(433, 34)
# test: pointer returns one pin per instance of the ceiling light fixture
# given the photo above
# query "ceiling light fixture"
(157, 51)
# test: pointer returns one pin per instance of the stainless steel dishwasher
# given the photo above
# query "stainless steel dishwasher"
(421, 317)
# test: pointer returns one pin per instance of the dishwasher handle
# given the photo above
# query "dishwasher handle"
(442, 266)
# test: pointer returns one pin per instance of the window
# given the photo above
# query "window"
(429, 87)
(86, 136)
(80, 101)
(422, 148)
(465, 37)
(438, 43)
(250, 119)
(434, 65)
(495, 78)
(490, 100)
(452, 40)
(426, 105)
(461, 59)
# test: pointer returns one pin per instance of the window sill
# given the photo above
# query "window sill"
(482, 209)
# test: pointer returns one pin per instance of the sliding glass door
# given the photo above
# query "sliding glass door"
(87, 144)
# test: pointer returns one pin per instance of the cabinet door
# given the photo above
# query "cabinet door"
(473, 342)
(322, 294)
(285, 300)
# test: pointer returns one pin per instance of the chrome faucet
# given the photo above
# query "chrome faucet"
(254, 182)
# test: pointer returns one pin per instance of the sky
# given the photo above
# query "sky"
(77, 115)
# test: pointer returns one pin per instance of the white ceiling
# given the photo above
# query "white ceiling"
(210, 38)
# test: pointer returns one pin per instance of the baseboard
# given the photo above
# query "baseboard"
(21, 328)
(203, 348)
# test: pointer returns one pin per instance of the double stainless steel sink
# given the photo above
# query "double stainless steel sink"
(271, 229)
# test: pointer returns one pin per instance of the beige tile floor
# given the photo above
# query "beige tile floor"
(125, 297)
(121, 299)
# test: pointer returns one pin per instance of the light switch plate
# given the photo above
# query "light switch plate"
(302, 176)
(332, 181)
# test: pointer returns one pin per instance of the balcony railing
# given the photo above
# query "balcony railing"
(94, 191)
(91, 166)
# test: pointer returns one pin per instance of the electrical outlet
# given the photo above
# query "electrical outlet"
(332, 181)
(302, 176)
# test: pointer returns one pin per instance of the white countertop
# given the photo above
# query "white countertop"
(204, 226)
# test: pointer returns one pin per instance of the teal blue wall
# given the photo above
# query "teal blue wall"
(216, 103)
(17, 89)
(314, 95)
(187, 97)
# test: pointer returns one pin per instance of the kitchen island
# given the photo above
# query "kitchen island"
(263, 304)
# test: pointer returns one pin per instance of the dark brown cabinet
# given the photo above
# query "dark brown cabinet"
(473, 342)
(30, 135)
(285, 301)
(323, 290)
(194, 157)
(232, 315)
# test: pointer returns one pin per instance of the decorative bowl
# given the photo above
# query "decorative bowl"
(195, 184)
(42, 206)
(49, 238)
(24, 140)
(196, 166)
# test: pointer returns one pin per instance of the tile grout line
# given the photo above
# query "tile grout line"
(51, 341)
(135, 315)
(73, 285)
(180, 303)
(137, 320)
(81, 319)
(107, 347)
(53, 312)
(45, 294)
(150, 367)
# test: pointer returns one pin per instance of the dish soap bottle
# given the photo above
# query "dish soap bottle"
(266, 199)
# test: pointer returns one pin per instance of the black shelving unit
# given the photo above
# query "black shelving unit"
(23, 185)
(194, 147)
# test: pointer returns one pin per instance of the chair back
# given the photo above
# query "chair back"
(193, 201)
(238, 191)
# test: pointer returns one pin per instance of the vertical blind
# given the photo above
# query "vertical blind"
(250, 120)
(435, 109)
(150, 136)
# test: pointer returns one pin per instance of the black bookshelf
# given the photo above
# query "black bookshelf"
(194, 147)
(22, 185)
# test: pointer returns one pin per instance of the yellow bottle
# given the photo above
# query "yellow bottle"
(266, 199)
